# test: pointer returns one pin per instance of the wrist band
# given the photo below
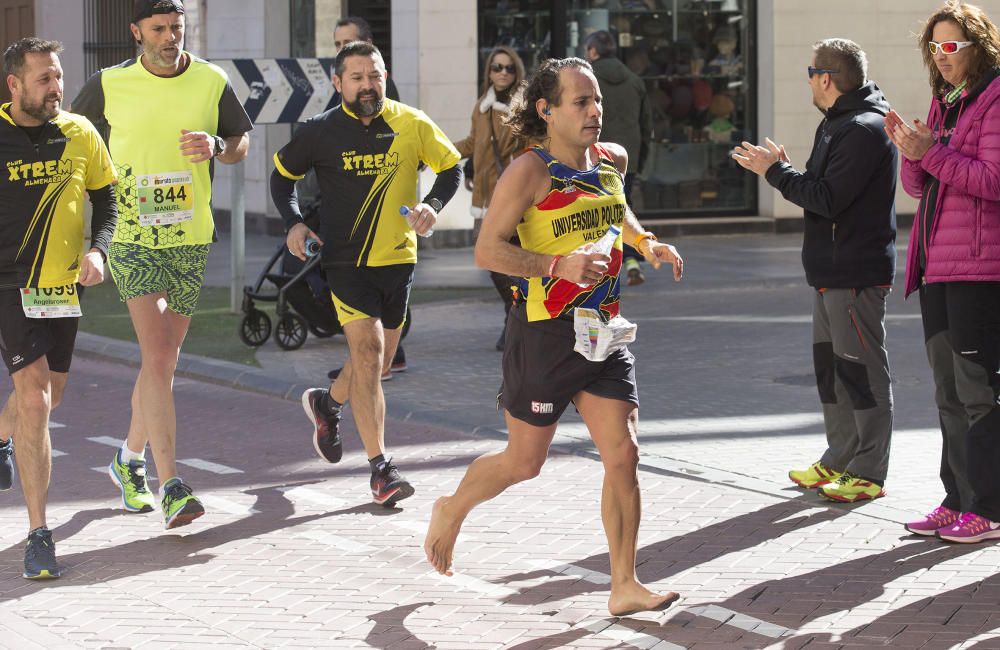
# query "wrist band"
(552, 265)
(641, 237)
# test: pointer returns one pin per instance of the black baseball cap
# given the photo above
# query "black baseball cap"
(146, 8)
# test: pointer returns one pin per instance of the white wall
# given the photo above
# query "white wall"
(887, 31)
(62, 20)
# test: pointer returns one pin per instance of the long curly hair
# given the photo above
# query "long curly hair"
(978, 28)
(523, 118)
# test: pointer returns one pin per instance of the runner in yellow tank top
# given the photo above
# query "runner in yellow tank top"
(558, 199)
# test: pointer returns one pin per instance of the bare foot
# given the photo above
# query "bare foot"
(441, 535)
(635, 598)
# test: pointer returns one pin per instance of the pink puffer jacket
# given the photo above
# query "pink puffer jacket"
(964, 241)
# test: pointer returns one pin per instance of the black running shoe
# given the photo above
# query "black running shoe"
(6, 465)
(326, 428)
(40, 556)
(388, 486)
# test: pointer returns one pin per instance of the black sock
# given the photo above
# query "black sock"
(328, 405)
(375, 462)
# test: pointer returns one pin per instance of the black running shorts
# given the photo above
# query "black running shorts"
(371, 292)
(25, 340)
(542, 373)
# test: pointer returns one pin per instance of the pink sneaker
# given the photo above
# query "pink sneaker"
(969, 529)
(939, 518)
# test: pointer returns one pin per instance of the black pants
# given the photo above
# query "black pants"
(962, 334)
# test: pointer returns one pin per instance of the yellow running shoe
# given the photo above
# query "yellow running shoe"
(814, 476)
(850, 488)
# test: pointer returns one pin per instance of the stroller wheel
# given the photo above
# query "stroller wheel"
(255, 328)
(291, 332)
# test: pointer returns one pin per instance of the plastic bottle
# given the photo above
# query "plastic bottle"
(405, 211)
(604, 245)
(312, 247)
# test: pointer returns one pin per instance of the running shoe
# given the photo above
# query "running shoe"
(388, 486)
(130, 477)
(40, 556)
(969, 529)
(6, 465)
(180, 507)
(850, 488)
(326, 428)
(398, 361)
(386, 376)
(634, 275)
(940, 517)
(815, 475)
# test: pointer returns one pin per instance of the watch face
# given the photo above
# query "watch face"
(436, 204)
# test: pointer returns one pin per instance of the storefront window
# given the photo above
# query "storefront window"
(524, 25)
(692, 55)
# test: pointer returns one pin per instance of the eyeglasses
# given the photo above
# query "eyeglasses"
(949, 47)
(497, 67)
(815, 71)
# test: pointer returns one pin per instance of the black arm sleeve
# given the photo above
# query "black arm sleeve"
(90, 103)
(445, 185)
(104, 219)
(390, 90)
(285, 199)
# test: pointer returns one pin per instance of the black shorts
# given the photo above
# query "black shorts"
(25, 340)
(371, 292)
(542, 373)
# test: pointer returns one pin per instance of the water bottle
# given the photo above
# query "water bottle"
(405, 211)
(604, 245)
(312, 247)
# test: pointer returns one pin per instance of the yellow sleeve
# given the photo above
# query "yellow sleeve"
(100, 168)
(436, 149)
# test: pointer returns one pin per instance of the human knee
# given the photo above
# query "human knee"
(160, 361)
(33, 403)
(623, 458)
(525, 469)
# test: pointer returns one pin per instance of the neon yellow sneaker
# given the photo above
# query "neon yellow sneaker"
(180, 507)
(130, 477)
(814, 476)
(850, 488)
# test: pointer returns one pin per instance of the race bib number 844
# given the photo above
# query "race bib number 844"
(165, 198)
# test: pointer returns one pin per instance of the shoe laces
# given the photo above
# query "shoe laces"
(39, 544)
(175, 491)
(6, 450)
(137, 475)
(387, 471)
(941, 515)
(845, 478)
(971, 520)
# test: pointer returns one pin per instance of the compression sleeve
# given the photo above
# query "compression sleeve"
(445, 185)
(285, 199)
(104, 219)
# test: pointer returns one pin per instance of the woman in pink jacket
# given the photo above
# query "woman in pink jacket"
(952, 164)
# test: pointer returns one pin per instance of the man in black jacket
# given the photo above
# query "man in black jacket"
(848, 194)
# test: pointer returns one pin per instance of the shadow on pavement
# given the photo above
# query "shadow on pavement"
(390, 629)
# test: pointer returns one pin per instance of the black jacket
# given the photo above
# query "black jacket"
(848, 193)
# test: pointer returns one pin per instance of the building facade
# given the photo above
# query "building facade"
(717, 72)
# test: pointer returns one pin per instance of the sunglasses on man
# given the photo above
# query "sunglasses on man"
(815, 71)
(949, 47)
(497, 67)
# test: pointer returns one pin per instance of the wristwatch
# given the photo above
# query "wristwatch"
(220, 146)
(435, 204)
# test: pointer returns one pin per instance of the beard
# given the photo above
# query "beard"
(40, 110)
(161, 60)
(366, 105)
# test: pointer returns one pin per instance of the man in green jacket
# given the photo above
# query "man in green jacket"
(628, 120)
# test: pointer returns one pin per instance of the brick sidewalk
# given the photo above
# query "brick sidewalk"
(293, 555)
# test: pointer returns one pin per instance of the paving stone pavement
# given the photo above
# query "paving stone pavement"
(291, 553)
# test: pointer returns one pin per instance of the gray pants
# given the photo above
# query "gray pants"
(852, 375)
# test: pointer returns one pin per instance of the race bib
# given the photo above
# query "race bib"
(53, 302)
(165, 198)
(597, 339)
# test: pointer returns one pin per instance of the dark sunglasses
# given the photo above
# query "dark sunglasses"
(497, 67)
(815, 71)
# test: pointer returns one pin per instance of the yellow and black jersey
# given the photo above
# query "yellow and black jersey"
(41, 198)
(580, 207)
(142, 116)
(365, 174)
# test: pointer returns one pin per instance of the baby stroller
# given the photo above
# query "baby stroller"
(304, 303)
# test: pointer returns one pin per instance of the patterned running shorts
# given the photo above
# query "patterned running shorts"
(178, 271)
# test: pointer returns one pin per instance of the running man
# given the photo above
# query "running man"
(365, 153)
(50, 157)
(167, 117)
(558, 199)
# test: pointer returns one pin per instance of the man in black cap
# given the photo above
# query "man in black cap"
(167, 116)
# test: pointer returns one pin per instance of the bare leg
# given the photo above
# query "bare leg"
(365, 340)
(487, 476)
(160, 332)
(612, 425)
(340, 388)
(33, 395)
(8, 418)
